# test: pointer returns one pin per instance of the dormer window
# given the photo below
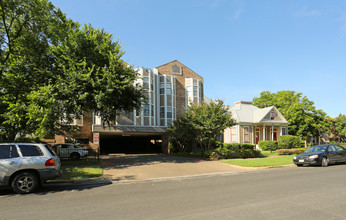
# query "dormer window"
(272, 116)
(176, 69)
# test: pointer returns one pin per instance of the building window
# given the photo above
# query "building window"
(272, 115)
(162, 112)
(162, 88)
(283, 131)
(246, 135)
(169, 112)
(233, 134)
(176, 69)
(146, 110)
(146, 83)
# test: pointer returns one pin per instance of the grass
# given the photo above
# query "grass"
(262, 162)
(80, 169)
(268, 153)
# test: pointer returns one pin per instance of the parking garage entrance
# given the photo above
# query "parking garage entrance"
(128, 143)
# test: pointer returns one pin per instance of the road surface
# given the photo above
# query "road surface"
(284, 193)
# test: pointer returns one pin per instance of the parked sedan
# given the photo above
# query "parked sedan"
(72, 151)
(321, 155)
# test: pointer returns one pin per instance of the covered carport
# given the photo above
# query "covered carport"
(130, 143)
(131, 139)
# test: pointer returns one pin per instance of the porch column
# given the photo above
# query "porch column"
(272, 132)
(264, 132)
(280, 130)
(239, 139)
(253, 135)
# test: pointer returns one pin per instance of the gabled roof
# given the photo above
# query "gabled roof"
(245, 112)
(180, 64)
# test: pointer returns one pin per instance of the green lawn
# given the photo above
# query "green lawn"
(80, 169)
(262, 162)
(75, 173)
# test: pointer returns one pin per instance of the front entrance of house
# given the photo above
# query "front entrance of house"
(257, 136)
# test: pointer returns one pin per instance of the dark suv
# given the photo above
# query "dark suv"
(25, 166)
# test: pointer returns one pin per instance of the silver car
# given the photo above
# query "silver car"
(69, 150)
(25, 166)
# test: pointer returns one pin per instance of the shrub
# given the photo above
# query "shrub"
(290, 151)
(342, 144)
(268, 145)
(229, 151)
(288, 142)
(236, 146)
(302, 143)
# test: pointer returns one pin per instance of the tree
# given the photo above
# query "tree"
(182, 135)
(340, 125)
(204, 122)
(53, 70)
(305, 120)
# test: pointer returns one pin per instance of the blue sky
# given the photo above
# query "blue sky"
(240, 48)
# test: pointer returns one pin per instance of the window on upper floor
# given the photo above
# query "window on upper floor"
(176, 69)
(272, 115)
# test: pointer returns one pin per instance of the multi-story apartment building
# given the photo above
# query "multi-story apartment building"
(168, 89)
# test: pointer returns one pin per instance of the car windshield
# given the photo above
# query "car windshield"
(316, 149)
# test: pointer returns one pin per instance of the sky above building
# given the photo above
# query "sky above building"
(240, 48)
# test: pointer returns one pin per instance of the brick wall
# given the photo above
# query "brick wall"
(180, 83)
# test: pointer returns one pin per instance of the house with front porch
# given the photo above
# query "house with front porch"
(254, 124)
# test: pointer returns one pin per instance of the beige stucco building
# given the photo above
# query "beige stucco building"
(254, 124)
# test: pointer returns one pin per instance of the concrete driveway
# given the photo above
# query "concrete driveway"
(120, 167)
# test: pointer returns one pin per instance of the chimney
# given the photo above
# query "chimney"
(243, 102)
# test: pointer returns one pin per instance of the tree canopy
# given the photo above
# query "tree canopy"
(305, 120)
(52, 69)
(340, 125)
(203, 122)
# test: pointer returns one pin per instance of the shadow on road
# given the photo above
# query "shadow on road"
(55, 188)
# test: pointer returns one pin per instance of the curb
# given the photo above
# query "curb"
(86, 181)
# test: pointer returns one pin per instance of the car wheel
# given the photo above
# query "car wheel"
(325, 162)
(25, 182)
(299, 165)
(75, 156)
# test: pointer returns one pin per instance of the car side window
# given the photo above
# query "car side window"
(30, 150)
(8, 151)
(64, 146)
(331, 148)
(339, 148)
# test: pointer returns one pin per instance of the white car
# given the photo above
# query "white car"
(72, 151)
(25, 166)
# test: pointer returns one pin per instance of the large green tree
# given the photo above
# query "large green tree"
(203, 122)
(53, 70)
(340, 126)
(305, 120)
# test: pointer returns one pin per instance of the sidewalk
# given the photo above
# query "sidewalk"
(132, 167)
(127, 167)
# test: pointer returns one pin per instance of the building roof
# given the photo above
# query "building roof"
(245, 112)
(180, 64)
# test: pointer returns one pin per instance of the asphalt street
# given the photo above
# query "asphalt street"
(281, 193)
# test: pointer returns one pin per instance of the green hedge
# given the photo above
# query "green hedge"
(290, 151)
(230, 151)
(288, 142)
(268, 145)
